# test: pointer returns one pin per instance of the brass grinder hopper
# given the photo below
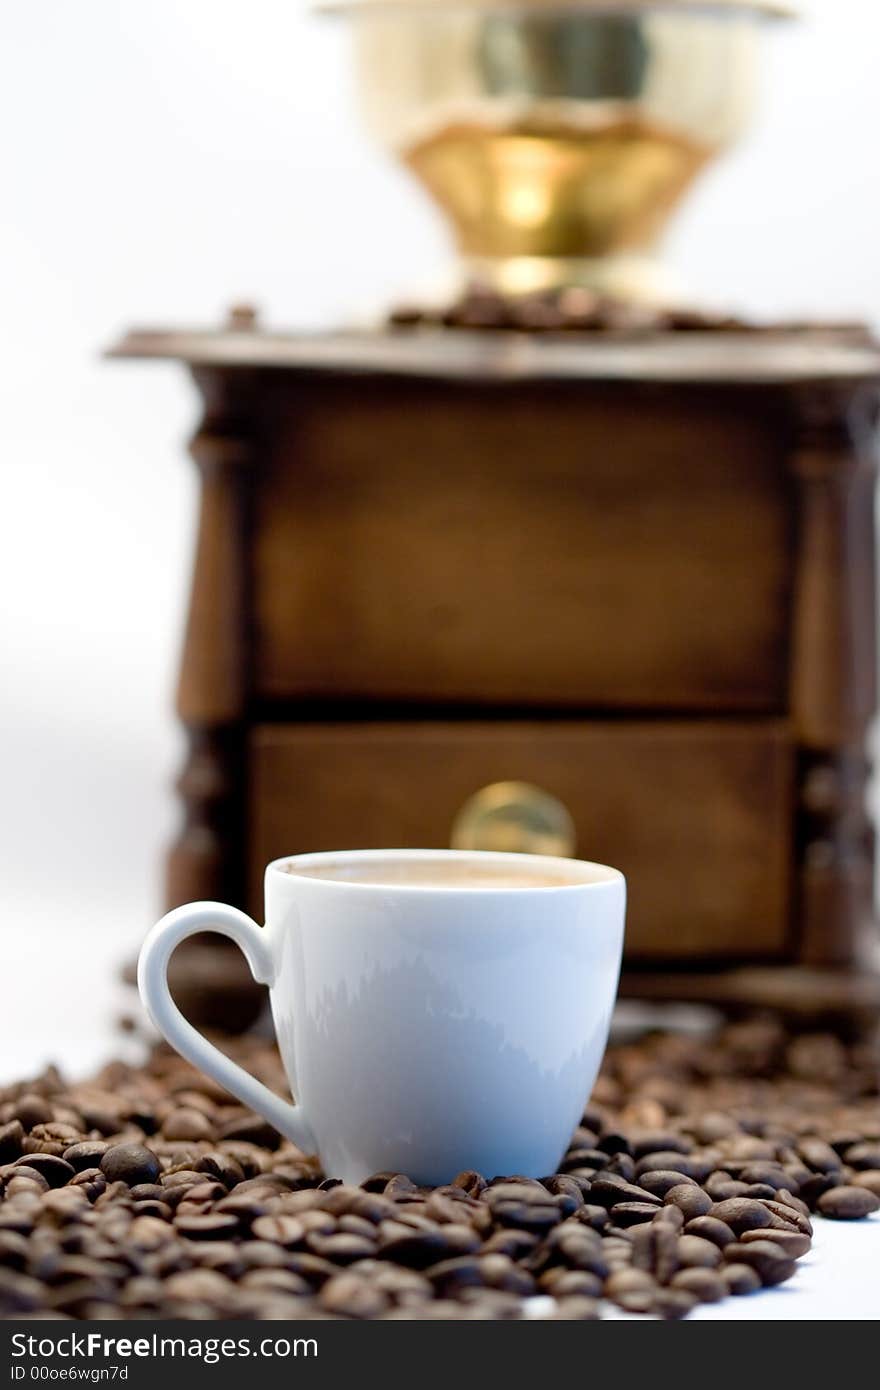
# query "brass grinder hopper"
(558, 137)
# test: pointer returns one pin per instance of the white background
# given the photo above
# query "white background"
(159, 161)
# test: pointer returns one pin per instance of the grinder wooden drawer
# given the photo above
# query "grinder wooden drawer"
(540, 547)
(698, 814)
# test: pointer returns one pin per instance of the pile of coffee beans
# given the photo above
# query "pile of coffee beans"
(571, 309)
(578, 309)
(692, 1177)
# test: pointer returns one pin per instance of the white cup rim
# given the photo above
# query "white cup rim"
(594, 876)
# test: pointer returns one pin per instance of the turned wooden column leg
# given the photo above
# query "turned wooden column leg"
(207, 858)
(833, 694)
(210, 979)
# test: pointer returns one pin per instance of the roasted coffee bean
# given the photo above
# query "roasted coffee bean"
(253, 1161)
(770, 1175)
(740, 1278)
(662, 1180)
(349, 1296)
(758, 1191)
(353, 1201)
(819, 1156)
(691, 1200)
(869, 1180)
(142, 1293)
(160, 1209)
(864, 1156)
(632, 1289)
(74, 1268)
(768, 1261)
(356, 1226)
(250, 1130)
(575, 1309)
(312, 1267)
(697, 1253)
(510, 1241)
(449, 1277)
(377, 1182)
(56, 1132)
(148, 1192)
(712, 1126)
(788, 1218)
(787, 1199)
(281, 1230)
(655, 1251)
(710, 1228)
(622, 1165)
(560, 1282)
(11, 1136)
(262, 1254)
(223, 1168)
(705, 1284)
(815, 1186)
(129, 1163)
(275, 1281)
(568, 1193)
(19, 1294)
(210, 1226)
(722, 1188)
(200, 1286)
(27, 1181)
(791, 1243)
(671, 1304)
(402, 1285)
(400, 1186)
(608, 1189)
(627, 1214)
(66, 1204)
(50, 1166)
(529, 1207)
(340, 1249)
(148, 1233)
(670, 1216)
(742, 1214)
(418, 1249)
(470, 1182)
(187, 1124)
(660, 1141)
(848, 1203)
(181, 1177)
(205, 1193)
(595, 1217)
(584, 1161)
(222, 1255)
(500, 1272)
(444, 1209)
(666, 1161)
(576, 1246)
(31, 1110)
(612, 1142)
(14, 1250)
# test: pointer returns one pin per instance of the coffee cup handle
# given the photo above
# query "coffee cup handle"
(155, 955)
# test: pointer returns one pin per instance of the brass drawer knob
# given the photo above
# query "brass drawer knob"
(514, 817)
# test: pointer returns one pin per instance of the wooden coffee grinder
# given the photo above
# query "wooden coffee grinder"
(604, 589)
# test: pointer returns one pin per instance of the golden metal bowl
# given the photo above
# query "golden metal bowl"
(558, 136)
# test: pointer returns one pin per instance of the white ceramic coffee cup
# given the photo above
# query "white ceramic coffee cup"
(424, 1029)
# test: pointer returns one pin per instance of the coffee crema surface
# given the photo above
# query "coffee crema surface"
(433, 873)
